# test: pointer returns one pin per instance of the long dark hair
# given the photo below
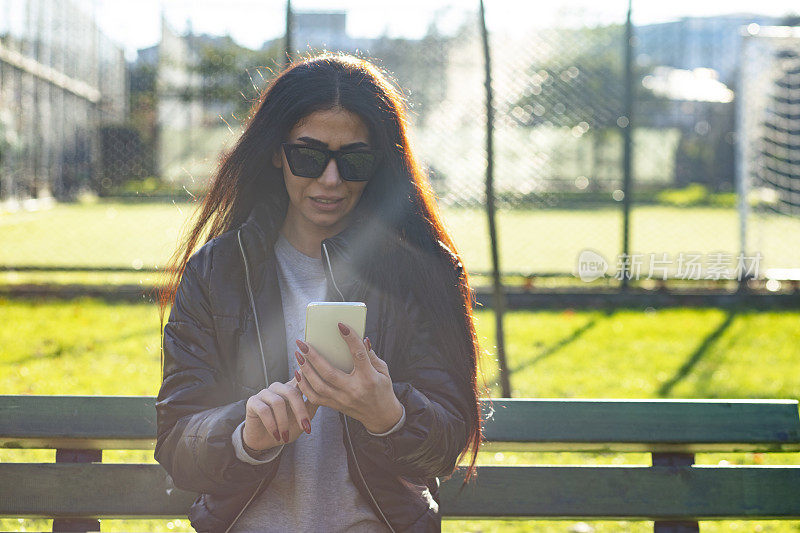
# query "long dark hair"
(399, 196)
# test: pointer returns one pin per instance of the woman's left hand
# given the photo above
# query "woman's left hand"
(365, 394)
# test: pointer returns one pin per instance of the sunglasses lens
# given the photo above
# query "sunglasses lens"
(356, 166)
(306, 162)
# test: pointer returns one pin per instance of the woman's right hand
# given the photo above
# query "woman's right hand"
(277, 415)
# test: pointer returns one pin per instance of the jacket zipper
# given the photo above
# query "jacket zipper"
(253, 305)
(263, 360)
(344, 417)
(246, 505)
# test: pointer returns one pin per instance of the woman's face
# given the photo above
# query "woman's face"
(321, 205)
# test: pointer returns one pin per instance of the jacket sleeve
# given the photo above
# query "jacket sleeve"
(434, 434)
(195, 413)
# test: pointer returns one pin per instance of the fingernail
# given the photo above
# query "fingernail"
(307, 426)
(303, 346)
(369, 344)
(300, 359)
(285, 436)
(297, 375)
(276, 435)
(344, 329)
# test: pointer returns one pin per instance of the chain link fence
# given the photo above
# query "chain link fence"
(125, 145)
(64, 89)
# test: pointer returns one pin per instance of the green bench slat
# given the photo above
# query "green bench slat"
(129, 422)
(78, 422)
(629, 492)
(560, 492)
(95, 490)
(645, 425)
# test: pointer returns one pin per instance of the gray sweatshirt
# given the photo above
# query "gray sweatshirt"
(312, 490)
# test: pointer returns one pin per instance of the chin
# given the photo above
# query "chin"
(325, 221)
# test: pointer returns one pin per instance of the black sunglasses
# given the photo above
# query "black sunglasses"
(309, 162)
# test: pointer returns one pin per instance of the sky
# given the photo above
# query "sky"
(136, 24)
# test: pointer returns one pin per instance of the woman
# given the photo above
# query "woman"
(320, 199)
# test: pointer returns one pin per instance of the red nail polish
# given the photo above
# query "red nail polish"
(344, 329)
(297, 375)
(303, 346)
(307, 426)
(300, 359)
(276, 435)
(369, 344)
(286, 436)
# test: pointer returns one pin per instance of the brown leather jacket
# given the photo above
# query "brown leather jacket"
(228, 297)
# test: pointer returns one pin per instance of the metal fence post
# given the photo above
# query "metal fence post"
(498, 294)
(627, 129)
(288, 35)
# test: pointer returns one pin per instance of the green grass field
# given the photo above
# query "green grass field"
(88, 346)
(144, 234)
(93, 347)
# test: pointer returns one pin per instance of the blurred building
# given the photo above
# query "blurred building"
(198, 84)
(313, 31)
(697, 42)
(321, 29)
(695, 65)
(418, 64)
(61, 81)
(177, 82)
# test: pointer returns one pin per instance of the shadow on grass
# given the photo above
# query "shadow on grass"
(697, 355)
(553, 348)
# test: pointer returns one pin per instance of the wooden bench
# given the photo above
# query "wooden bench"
(78, 489)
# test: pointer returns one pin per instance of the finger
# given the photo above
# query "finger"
(357, 348)
(263, 412)
(322, 391)
(278, 406)
(313, 398)
(303, 387)
(378, 363)
(294, 398)
(329, 373)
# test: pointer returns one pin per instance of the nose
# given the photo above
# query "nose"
(330, 176)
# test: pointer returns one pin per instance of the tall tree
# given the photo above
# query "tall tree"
(234, 75)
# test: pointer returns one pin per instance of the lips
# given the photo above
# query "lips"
(326, 203)
(326, 199)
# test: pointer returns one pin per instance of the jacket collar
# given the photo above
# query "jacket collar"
(341, 254)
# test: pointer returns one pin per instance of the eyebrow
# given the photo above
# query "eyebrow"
(317, 142)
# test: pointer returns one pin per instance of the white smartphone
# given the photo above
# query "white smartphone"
(322, 330)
